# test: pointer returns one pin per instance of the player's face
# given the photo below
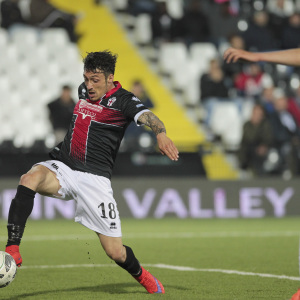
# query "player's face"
(97, 85)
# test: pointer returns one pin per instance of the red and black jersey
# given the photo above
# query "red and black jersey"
(96, 130)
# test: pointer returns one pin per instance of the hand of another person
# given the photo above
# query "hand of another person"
(232, 55)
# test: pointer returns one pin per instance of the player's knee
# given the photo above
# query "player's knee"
(31, 179)
(116, 254)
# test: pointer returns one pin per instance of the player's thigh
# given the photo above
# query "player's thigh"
(42, 180)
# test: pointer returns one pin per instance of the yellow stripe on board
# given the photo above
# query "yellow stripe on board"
(101, 31)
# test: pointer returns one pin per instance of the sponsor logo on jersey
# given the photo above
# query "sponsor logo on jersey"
(135, 99)
(111, 101)
(88, 109)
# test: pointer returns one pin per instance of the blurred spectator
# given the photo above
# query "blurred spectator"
(286, 134)
(279, 11)
(139, 91)
(213, 88)
(232, 69)
(222, 21)
(291, 32)
(250, 82)
(294, 106)
(256, 141)
(212, 84)
(136, 7)
(137, 138)
(195, 24)
(267, 99)
(258, 36)
(164, 27)
(11, 14)
(61, 112)
(43, 14)
(280, 8)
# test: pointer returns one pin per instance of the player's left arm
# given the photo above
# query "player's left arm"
(165, 144)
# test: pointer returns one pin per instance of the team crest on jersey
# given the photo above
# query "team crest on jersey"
(111, 101)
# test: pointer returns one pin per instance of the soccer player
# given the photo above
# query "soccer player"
(290, 57)
(81, 166)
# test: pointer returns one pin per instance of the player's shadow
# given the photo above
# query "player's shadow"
(118, 288)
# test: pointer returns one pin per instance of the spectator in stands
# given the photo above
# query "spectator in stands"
(11, 14)
(222, 21)
(136, 7)
(231, 70)
(256, 141)
(61, 111)
(213, 88)
(212, 84)
(139, 91)
(44, 15)
(279, 11)
(250, 82)
(291, 32)
(164, 27)
(195, 24)
(294, 106)
(267, 99)
(137, 137)
(286, 133)
(258, 36)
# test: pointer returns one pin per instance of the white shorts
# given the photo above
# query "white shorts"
(96, 207)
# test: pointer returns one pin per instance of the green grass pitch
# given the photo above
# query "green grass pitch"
(64, 260)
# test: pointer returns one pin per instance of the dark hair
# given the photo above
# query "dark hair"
(102, 60)
(66, 87)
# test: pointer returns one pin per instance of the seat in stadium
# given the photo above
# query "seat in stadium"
(119, 5)
(142, 29)
(55, 39)
(25, 39)
(227, 123)
(202, 53)
(3, 38)
(170, 56)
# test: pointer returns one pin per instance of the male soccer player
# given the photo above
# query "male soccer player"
(289, 57)
(81, 166)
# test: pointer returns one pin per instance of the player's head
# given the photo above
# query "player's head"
(104, 61)
(99, 69)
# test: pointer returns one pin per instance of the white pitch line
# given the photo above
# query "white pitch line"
(163, 235)
(169, 267)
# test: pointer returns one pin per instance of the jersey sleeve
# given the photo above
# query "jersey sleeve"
(132, 107)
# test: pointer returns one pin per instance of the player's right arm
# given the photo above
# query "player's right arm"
(165, 144)
(289, 57)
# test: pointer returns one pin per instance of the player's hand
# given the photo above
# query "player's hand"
(232, 55)
(167, 147)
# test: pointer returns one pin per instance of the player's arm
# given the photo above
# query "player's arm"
(289, 57)
(165, 144)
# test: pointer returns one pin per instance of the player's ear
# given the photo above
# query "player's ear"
(110, 78)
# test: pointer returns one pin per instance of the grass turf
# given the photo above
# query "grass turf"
(72, 257)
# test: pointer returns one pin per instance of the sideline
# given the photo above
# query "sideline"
(168, 267)
(163, 235)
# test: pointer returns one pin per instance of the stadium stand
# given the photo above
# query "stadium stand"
(45, 60)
